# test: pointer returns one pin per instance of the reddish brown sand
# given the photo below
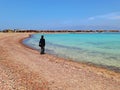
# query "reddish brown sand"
(22, 68)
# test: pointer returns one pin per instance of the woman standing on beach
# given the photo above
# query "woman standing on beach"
(42, 44)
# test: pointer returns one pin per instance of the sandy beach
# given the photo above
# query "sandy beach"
(22, 68)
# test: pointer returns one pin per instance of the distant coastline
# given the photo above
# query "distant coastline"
(57, 31)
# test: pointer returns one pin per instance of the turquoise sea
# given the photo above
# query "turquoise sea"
(101, 49)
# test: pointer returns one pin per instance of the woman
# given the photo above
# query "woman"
(42, 44)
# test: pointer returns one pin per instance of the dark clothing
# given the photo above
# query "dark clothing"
(42, 42)
(42, 45)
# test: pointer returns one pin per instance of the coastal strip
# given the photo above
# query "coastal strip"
(23, 68)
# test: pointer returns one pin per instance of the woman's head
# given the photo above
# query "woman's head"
(42, 36)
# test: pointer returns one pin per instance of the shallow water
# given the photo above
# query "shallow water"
(96, 48)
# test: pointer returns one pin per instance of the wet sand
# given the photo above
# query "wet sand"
(22, 68)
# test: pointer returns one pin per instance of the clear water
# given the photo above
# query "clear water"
(97, 48)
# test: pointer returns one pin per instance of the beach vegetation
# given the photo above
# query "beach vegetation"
(8, 30)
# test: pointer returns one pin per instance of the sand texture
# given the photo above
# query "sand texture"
(22, 68)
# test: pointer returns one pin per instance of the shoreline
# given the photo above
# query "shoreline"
(55, 72)
(109, 68)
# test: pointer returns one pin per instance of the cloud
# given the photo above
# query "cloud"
(91, 18)
(109, 16)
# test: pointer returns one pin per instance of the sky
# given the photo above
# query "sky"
(60, 14)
